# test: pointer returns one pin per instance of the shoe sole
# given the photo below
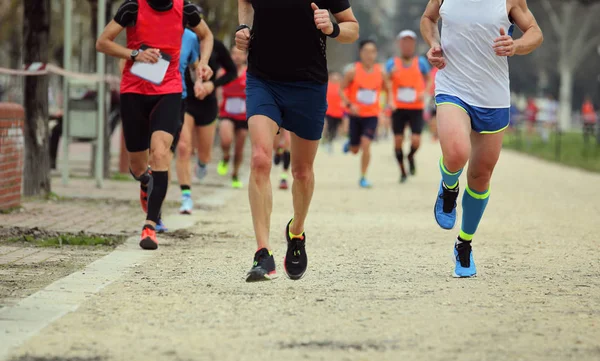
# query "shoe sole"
(148, 243)
(252, 277)
(454, 275)
(185, 212)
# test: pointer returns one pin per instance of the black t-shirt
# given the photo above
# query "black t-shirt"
(127, 14)
(219, 58)
(286, 44)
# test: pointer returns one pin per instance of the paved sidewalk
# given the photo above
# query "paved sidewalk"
(379, 283)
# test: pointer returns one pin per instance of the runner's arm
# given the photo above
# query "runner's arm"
(245, 12)
(532, 34)
(206, 41)
(226, 63)
(349, 28)
(106, 42)
(429, 23)
(348, 79)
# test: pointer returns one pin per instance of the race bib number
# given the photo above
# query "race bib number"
(366, 96)
(406, 95)
(235, 106)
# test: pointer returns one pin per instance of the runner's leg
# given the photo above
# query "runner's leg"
(226, 135)
(238, 157)
(303, 154)
(182, 164)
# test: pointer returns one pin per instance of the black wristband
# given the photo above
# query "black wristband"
(336, 31)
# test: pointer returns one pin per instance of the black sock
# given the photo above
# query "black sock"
(144, 178)
(413, 150)
(157, 196)
(400, 159)
(185, 187)
(286, 160)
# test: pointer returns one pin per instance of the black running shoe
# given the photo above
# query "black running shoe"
(277, 157)
(263, 268)
(411, 166)
(295, 261)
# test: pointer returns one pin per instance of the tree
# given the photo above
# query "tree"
(574, 24)
(36, 32)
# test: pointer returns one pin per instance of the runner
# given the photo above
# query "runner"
(233, 119)
(407, 77)
(473, 98)
(590, 118)
(287, 88)
(365, 80)
(201, 114)
(281, 147)
(335, 108)
(150, 112)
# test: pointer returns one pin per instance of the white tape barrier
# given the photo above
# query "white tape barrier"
(37, 69)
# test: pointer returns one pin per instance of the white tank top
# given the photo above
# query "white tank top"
(473, 72)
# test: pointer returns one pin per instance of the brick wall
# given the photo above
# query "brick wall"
(12, 147)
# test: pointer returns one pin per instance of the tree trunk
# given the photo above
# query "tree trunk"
(36, 31)
(565, 97)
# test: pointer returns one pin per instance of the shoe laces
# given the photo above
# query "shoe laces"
(260, 256)
(297, 246)
(463, 255)
(449, 197)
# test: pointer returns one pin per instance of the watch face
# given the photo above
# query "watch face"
(135, 53)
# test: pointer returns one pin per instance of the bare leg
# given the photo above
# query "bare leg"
(303, 153)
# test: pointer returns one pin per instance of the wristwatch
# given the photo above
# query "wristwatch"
(242, 27)
(134, 54)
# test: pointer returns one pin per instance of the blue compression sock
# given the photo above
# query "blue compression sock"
(450, 179)
(473, 204)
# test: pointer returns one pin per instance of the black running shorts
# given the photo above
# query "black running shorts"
(143, 115)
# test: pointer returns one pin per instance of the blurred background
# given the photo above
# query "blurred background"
(557, 79)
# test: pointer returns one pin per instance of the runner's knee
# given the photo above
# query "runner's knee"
(302, 172)
(456, 155)
(261, 160)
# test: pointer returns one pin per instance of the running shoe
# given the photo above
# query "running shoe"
(236, 183)
(346, 147)
(295, 261)
(411, 166)
(201, 170)
(283, 184)
(223, 168)
(364, 183)
(445, 207)
(148, 240)
(160, 227)
(145, 191)
(263, 268)
(403, 178)
(277, 156)
(465, 266)
(187, 204)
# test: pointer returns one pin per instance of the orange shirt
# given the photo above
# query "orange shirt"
(588, 112)
(335, 108)
(366, 89)
(408, 85)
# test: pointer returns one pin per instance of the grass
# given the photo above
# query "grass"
(568, 149)
(68, 239)
(121, 177)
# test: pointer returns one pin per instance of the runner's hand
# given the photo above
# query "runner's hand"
(504, 45)
(353, 109)
(322, 20)
(148, 56)
(435, 55)
(204, 72)
(242, 39)
(199, 90)
(209, 87)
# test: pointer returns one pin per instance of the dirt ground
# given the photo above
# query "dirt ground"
(379, 284)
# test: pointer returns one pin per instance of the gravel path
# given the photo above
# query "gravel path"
(379, 285)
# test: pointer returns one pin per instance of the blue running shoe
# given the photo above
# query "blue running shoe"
(201, 171)
(160, 227)
(364, 183)
(346, 148)
(465, 266)
(187, 204)
(445, 207)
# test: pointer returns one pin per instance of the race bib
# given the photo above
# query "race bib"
(235, 106)
(366, 96)
(406, 95)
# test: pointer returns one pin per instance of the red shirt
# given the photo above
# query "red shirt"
(233, 105)
(335, 108)
(162, 30)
